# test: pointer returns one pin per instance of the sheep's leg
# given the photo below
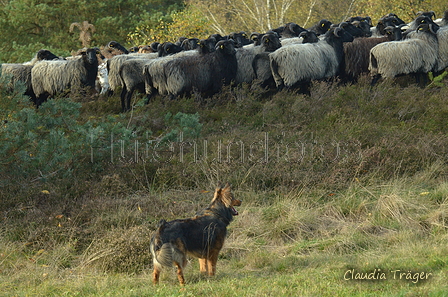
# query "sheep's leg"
(41, 99)
(421, 79)
(148, 98)
(375, 79)
(305, 88)
(123, 99)
(128, 99)
(277, 78)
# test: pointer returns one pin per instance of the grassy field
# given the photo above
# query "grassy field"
(345, 192)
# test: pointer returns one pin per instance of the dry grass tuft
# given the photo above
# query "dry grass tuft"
(120, 250)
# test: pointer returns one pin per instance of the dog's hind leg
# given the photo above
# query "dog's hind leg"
(156, 274)
(203, 266)
(179, 259)
(180, 274)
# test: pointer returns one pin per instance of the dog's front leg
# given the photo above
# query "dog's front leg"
(211, 263)
(203, 266)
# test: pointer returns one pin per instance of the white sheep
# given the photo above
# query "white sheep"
(103, 79)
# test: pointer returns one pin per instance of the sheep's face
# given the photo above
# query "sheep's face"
(113, 45)
(342, 34)
(428, 28)
(309, 37)
(324, 26)
(271, 42)
(46, 55)
(226, 47)
(90, 56)
(168, 48)
(207, 45)
(352, 29)
(240, 38)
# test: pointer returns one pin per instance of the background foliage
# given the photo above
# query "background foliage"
(30, 25)
(45, 24)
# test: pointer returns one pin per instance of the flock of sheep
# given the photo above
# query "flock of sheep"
(285, 57)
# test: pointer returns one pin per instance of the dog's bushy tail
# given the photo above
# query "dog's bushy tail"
(163, 256)
(168, 253)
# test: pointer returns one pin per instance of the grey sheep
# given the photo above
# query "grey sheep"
(22, 72)
(415, 55)
(442, 36)
(299, 64)
(304, 37)
(52, 77)
(113, 67)
(442, 60)
(423, 18)
(204, 73)
(114, 64)
(444, 20)
(131, 73)
(154, 70)
(245, 57)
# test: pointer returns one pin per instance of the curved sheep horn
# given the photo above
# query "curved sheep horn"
(254, 36)
(337, 31)
(433, 28)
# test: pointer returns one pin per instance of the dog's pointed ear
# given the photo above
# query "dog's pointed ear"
(227, 187)
(218, 192)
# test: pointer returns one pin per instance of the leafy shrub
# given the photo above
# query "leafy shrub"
(183, 124)
(51, 141)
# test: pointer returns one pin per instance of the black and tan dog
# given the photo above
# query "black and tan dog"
(201, 236)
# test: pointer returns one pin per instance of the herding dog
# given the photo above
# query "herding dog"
(201, 236)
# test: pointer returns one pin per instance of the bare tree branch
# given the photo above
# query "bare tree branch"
(348, 10)
(312, 4)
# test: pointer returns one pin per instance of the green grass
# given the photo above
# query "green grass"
(351, 178)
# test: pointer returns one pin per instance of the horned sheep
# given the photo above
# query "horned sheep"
(204, 73)
(131, 71)
(246, 56)
(299, 64)
(357, 53)
(415, 55)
